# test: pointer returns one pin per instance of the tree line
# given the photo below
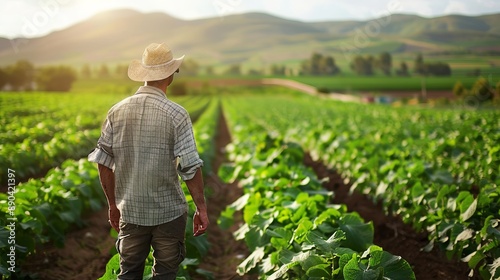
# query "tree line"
(318, 65)
(23, 76)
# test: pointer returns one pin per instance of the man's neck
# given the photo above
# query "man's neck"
(160, 86)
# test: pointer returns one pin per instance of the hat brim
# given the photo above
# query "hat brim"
(141, 73)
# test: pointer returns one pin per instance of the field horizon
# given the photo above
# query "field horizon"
(258, 40)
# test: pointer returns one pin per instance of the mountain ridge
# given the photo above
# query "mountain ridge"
(120, 35)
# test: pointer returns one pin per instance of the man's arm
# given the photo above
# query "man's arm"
(107, 178)
(200, 219)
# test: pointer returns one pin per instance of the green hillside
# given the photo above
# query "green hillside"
(119, 36)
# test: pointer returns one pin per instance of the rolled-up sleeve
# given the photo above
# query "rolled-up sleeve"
(188, 159)
(103, 153)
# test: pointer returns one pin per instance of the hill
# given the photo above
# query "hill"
(121, 35)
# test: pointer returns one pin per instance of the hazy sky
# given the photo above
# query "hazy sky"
(33, 18)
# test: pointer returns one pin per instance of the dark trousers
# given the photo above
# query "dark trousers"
(167, 240)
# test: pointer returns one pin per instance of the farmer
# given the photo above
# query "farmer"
(146, 142)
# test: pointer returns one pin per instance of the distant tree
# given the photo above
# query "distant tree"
(255, 72)
(209, 70)
(21, 75)
(403, 70)
(384, 63)
(55, 78)
(319, 65)
(315, 64)
(362, 66)
(4, 78)
(121, 71)
(278, 70)
(329, 67)
(190, 67)
(459, 90)
(86, 72)
(437, 69)
(371, 63)
(419, 65)
(103, 71)
(234, 69)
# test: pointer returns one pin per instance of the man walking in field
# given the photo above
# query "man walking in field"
(146, 143)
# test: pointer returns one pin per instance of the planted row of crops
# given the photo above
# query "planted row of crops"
(44, 209)
(290, 225)
(436, 169)
(40, 131)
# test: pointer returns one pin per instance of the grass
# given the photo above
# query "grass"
(382, 83)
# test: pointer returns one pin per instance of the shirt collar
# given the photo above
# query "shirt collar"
(150, 90)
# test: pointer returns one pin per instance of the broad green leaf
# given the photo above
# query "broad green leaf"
(261, 221)
(251, 209)
(417, 192)
(359, 235)
(299, 213)
(303, 228)
(281, 271)
(255, 237)
(240, 203)
(464, 235)
(314, 260)
(322, 271)
(326, 246)
(442, 176)
(393, 267)
(473, 259)
(200, 243)
(356, 271)
(226, 218)
(251, 261)
(468, 208)
(190, 261)
(112, 268)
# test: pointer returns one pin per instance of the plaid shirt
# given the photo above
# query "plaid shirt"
(148, 141)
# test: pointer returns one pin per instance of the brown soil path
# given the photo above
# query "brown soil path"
(84, 256)
(225, 252)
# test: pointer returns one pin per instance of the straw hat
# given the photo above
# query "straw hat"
(157, 63)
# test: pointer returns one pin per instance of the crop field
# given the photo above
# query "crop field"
(352, 83)
(436, 170)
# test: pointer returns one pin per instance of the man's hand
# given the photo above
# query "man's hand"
(114, 217)
(200, 218)
(107, 178)
(200, 222)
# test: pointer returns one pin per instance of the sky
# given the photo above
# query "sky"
(35, 18)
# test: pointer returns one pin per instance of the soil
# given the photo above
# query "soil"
(225, 253)
(86, 250)
(84, 255)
